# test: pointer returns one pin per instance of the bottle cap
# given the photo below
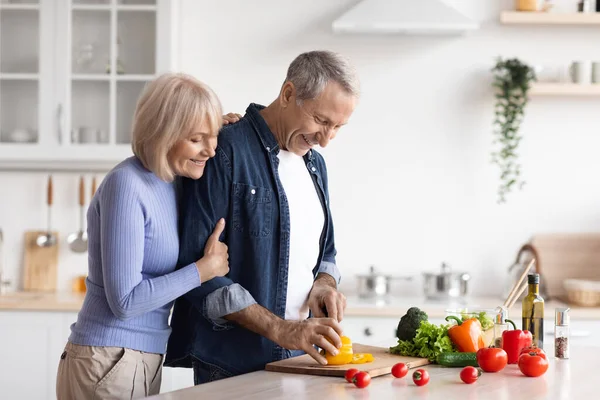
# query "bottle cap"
(561, 316)
(533, 279)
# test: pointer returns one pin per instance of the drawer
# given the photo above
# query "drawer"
(375, 331)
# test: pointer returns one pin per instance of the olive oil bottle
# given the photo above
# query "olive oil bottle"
(533, 311)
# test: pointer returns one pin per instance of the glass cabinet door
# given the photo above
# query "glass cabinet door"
(19, 72)
(113, 55)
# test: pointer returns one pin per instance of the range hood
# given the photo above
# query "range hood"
(417, 17)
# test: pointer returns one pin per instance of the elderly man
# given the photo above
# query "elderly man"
(271, 187)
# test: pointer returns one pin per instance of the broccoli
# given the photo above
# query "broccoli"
(409, 323)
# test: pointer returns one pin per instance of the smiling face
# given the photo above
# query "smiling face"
(189, 155)
(316, 121)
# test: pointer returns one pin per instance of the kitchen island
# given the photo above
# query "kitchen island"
(565, 380)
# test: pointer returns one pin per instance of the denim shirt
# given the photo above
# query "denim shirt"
(240, 184)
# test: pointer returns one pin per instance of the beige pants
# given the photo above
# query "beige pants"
(88, 372)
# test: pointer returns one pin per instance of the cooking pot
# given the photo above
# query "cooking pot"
(446, 284)
(375, 284)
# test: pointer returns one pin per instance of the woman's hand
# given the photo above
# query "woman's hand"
(216, 259)
(231, 118)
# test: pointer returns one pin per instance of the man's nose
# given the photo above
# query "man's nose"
(326, 136)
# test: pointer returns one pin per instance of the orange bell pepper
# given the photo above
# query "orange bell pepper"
(466, 335)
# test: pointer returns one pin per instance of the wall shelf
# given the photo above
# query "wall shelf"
(548, 18)
(564, 89)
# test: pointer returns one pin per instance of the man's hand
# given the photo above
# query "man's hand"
(325, 297)
(302, 335)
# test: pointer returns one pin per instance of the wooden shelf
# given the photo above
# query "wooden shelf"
(548, 18)
(564, 89)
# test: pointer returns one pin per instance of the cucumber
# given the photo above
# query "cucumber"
(457, 359)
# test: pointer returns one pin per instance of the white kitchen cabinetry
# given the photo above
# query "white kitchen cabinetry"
(70, 75)
(30, 347)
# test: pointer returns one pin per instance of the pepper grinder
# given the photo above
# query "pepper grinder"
(597, 5)
(561, 333)
(584, 6)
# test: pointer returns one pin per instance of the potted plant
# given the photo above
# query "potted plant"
(512, 81)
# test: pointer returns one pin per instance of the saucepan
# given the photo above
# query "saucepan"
(376, 284)
(446, 284)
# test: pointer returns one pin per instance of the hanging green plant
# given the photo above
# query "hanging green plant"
(512, 80)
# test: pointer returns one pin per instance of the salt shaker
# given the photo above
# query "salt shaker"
(561, 333)
(500, 325)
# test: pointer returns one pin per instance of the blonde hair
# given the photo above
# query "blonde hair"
(168, 110)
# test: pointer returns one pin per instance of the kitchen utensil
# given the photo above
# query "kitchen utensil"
(93, 187)
(375, 284)
(78, 240)
(445, 285)
(384, 361)
(40, 263)
(518, 287)
(47, 239)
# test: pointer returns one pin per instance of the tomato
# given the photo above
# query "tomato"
(469, 374)
(533, 364)
(350, 374)
(492, 359)
(361, 379)
(533, 349)
(400, 370)
(420, 377)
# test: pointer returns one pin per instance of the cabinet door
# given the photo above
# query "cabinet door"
(30, 344)
(374, 331)
(70, 85)
(25, 69)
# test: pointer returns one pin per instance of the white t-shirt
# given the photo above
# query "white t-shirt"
(306, 225)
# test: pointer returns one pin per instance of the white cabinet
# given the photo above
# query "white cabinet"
(30, 347)
(70, 75)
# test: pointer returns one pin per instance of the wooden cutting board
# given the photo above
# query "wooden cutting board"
(384, 361)
(40, 273)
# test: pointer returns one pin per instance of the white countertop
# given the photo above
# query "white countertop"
(565, 379)
(394, 307)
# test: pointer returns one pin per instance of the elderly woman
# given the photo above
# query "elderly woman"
(116, 347)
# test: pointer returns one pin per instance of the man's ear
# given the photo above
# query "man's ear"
(288, 94)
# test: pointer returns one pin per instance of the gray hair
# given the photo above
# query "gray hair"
(311, 71)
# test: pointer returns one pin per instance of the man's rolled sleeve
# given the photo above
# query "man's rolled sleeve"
(330, 268)
(224, 301)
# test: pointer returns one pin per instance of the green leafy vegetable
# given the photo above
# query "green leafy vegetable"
(409, 323)
(430, 341)
(486, 322)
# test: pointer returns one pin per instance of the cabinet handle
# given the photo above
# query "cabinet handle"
(59, 123)
(368, 332)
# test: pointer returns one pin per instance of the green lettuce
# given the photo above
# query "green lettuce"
(486, 322)
(430, 341)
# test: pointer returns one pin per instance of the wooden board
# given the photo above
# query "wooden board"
(384, 361)
(40, 272)
(564, 256)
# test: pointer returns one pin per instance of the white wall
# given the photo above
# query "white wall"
(410, 177)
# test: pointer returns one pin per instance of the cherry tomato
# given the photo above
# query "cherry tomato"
(469, 374)
(420, 377)
(350, 374)
(533, 364)
(361, 379)
(400, 370)
(533, 349)
(492, 359)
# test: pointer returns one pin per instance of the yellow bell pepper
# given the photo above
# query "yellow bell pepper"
(362, 358)
(345, 353)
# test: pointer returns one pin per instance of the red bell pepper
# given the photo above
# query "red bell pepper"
(514, 341)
